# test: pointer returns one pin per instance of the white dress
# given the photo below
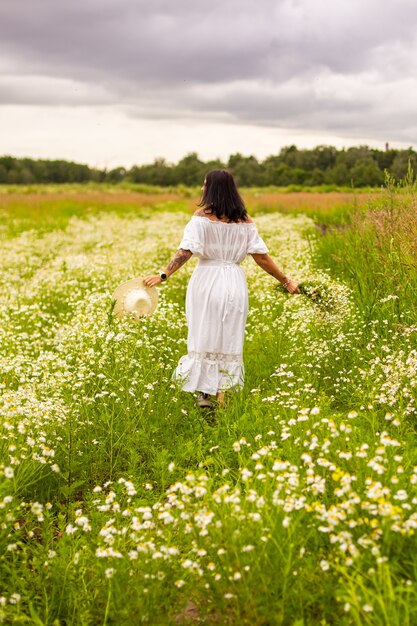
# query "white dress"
(216, 303)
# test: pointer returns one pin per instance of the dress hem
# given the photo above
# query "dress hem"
(209, 376)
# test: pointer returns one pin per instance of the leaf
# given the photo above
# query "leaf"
(68, 490)
(35, 617)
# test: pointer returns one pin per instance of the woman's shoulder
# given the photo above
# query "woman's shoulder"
(200, 213)
(209, 215)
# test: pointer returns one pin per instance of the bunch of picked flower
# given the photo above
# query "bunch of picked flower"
(319, 293)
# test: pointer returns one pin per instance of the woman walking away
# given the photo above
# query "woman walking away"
(221, 234)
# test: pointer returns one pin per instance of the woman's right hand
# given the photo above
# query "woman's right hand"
(292, 287)
(152, 280)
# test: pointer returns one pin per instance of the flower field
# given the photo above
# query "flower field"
(120, 503)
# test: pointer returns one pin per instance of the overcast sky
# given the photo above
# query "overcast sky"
(113, 82)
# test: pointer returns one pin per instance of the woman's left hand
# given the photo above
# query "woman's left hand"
(151, 281)
(292, 287)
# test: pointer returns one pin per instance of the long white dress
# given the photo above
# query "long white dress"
(216, 303)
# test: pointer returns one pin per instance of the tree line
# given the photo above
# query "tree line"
(324, 165)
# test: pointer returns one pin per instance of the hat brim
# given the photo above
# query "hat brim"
(120, 293)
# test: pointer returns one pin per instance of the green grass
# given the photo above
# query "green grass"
(121, 503)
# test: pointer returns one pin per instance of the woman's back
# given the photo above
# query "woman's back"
(220, 240)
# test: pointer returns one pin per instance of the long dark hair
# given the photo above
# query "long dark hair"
(221, 197)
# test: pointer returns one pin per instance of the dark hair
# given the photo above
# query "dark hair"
(221, 197)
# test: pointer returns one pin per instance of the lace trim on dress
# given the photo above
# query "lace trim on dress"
(216, 357)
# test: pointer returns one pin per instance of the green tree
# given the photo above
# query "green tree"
(402, 161)
(246, 170)
(3, 174)
(116, 175)
(317, 177)
(297, 176)
(190, 170)
(283, 174)
(339, 174)
(326, 157)
(366, 173)
(289, 156)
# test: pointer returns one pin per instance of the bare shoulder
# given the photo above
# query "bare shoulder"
(249, 220)
(200, 212)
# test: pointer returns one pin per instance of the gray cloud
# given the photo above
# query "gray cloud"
(345, 65)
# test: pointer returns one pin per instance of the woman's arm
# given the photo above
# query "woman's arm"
(269, 266)
(175, 263)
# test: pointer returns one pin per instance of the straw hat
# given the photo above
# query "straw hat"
(135, 298)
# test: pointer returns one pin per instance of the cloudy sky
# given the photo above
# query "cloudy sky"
(117, 82)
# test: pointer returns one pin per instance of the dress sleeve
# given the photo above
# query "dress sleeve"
(191, 239)
(256, 244)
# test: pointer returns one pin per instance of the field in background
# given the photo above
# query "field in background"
(49, 206)
(121, 504)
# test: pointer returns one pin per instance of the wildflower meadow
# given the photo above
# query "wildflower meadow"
(122, 503)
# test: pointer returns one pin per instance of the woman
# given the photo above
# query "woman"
(221, 234)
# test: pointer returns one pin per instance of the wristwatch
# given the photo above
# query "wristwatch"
(163, 275)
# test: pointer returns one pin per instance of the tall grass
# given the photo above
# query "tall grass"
(377, 254)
